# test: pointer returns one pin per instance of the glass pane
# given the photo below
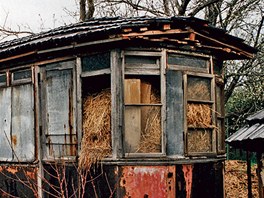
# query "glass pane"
(199, 140)
(23, 138)
(189, 61)
(142, 90)
(59, 104)
(3, 79)
(199, 88)
(5, 123)
(142, 129)
(199, 115)
(221, 134)
(219, 101)
(140, 60)
(96, 62)
(19, 75)
(218, 66)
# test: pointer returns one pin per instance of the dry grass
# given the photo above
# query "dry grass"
(236, 179)
(199, 141)
(96, 141)
(150, 141)
(198, 90)
(199, 115)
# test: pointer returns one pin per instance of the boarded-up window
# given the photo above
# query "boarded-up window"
(60, 134)
(143, 132)
(17, 140)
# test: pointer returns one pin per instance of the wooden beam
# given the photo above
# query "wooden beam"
(155, 32)
(17, 56)
(227, 46)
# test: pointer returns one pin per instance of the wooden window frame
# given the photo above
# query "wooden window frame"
(189, 68)
(209, 102)
(10, 83)
(220, 116)
(49, 67)
(157, 69)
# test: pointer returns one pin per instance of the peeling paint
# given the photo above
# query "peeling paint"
(148, 181)
(188, 171)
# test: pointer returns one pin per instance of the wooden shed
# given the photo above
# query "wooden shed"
(116, 107)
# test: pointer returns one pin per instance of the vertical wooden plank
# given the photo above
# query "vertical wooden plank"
(145, 90)
(5, 123)
(132, 134)
(163, 90)
(117, 68)
(79, 102)
(174, 113)
(23, 137)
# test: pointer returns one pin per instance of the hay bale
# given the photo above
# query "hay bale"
(198, 89)
(96, 140)
(150, 141)
(199, 141)
(199, 115)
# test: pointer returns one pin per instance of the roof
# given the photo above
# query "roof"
(174, 30)
(250, 137)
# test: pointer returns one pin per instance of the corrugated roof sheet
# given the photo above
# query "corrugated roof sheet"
(250, 137)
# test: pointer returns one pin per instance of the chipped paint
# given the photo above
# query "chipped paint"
(188, 170)
(148, 181)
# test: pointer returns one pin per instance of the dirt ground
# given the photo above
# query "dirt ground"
(236, 179)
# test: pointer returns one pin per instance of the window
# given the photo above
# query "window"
(96, 142)
(182, 61)
(17, 139)
(220, 116)
(199, 108)
(143, 107)
(58, 100)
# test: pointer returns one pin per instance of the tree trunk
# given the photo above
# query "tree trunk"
(82, 10)
(91, 9)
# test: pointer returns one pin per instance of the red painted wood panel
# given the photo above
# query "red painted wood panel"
(148, 181)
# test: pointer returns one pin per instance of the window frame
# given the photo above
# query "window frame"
(209, 102)
(157, 69)
(64, 65)
(15, 84)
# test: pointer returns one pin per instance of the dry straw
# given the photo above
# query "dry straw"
(150, 141)
(199, 116)
(198, 90)
(96, 141)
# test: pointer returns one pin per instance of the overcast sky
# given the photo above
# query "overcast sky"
(39, 15)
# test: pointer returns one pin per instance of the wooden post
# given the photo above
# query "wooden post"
(259, 168)
(249, 175)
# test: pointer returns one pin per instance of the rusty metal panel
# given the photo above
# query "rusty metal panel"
(148, 181)
(60, 134)
(23, 138)
(5, 122)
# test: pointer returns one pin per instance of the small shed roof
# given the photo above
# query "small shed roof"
(173, 31)
(250, 137)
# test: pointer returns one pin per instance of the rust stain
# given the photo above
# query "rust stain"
(148, 181)
(12, 170)
(14, 140)
(187, 170)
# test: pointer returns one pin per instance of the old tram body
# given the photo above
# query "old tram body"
(137, 101)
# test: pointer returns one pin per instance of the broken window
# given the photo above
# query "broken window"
(59, 119)
(200, 124)
(96, 142)
(143, 106)
(17, 139)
